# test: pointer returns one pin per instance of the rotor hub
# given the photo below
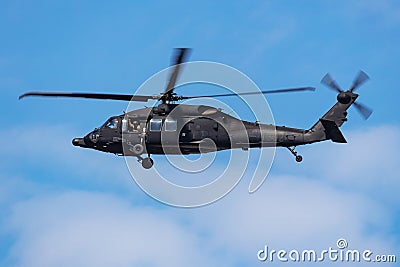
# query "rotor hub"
(344, 98)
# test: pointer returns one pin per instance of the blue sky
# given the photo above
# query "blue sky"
(61, 205)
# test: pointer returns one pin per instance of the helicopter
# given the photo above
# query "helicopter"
(172, 128)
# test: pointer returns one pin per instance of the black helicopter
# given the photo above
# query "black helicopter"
(171, 128)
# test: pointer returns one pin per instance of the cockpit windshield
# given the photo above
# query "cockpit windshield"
(112, 124)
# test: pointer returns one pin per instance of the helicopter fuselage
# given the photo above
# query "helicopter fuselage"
(185, 129)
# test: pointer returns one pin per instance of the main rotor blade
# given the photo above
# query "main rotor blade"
(362, 77)
(364, 110)
(140, 98)
(179, 57)
(328, 81)
(255, 93)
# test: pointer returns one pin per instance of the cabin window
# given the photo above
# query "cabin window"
(155, 125)
(170, 125)
(112, 124)
(134, 125)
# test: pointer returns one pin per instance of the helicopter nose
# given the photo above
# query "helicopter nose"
(79, 142)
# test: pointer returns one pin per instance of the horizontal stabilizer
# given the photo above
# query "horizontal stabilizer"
(332, 131)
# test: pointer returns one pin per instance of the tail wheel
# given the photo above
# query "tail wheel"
(299, 158)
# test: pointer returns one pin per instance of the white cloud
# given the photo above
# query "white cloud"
(90, 229)
(94, 229)
(295, 212)
(367, 163)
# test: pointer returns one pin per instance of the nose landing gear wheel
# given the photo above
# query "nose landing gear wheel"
(147, 163)
(299, 158)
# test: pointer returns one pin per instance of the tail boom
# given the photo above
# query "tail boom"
(327, 128)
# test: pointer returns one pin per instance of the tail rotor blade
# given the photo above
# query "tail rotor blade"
(362, 77)
(364, 110)
(328, 81)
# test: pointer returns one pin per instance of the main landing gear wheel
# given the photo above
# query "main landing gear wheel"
(298, 157)
(147, 163)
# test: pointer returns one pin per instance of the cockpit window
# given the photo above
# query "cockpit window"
(170, 125)
(155, 125)
(112, 124)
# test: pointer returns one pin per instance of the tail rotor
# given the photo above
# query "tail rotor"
(344, 97)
